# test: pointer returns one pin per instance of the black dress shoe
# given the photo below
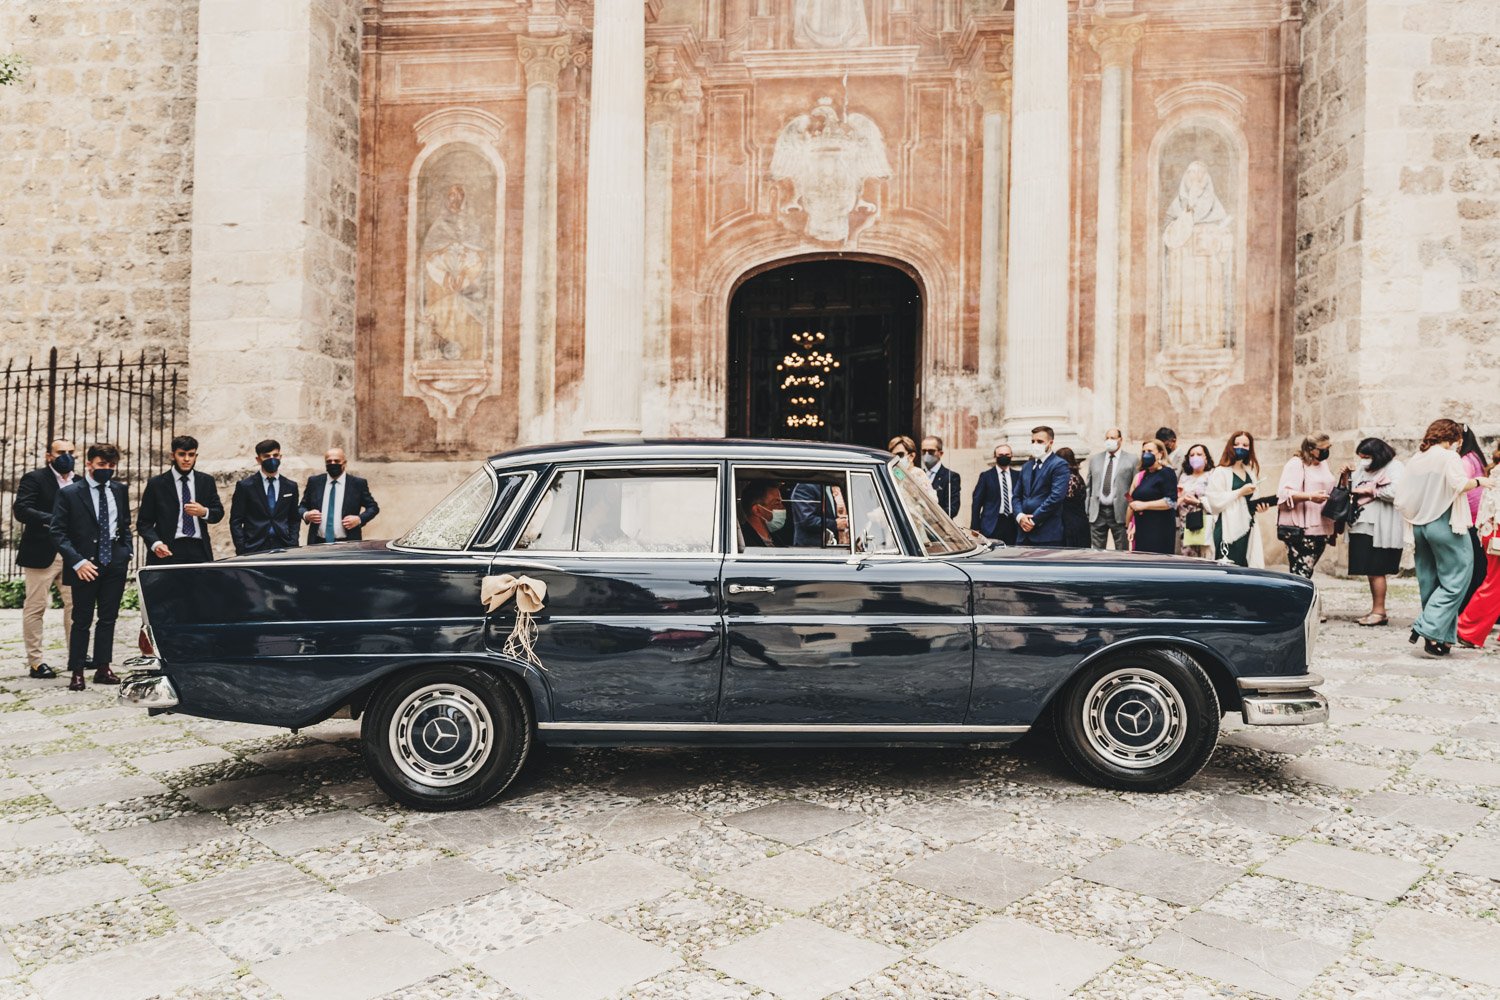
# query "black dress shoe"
(42, 672)
(76, 684)
(104, 675)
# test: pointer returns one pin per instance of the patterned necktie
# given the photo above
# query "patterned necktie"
(1108, 492)
(331, 517)
(1004, 475)
(105, 535)
(188, 527)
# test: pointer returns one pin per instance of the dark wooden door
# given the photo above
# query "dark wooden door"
(825, 350)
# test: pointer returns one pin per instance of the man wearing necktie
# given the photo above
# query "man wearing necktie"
(176, 509)
(91, 528)
(1110, 476)
(992, 508)
(263, 510)
(337, 504)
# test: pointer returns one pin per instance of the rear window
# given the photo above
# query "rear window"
(651, 511)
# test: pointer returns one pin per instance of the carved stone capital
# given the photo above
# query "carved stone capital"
(1115, 39)
(664, 101)
(543, 58)
(993, 92)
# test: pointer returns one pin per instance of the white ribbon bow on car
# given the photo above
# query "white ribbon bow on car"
(530, 593)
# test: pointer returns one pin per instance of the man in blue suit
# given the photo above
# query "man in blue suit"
(945, 482)
(91, 528)
(1044, 486)
(992, 508)
(815, 515)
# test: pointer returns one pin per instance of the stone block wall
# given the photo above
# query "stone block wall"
(96, 164)
(1399, 217)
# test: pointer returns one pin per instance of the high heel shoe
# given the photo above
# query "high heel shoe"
(1413, 637)
(1436, 648)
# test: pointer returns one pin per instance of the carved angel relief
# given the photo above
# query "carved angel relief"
(827, 160)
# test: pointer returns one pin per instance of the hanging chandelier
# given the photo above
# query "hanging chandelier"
(803, 369)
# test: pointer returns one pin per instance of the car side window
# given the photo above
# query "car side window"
(869, 524)
(648, 510)
(454, 520)
(791, 511)
(551, 526)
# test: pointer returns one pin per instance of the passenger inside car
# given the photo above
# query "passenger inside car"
(762, 514)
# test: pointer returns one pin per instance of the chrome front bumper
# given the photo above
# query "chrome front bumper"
(145, 686)
(1282, 701)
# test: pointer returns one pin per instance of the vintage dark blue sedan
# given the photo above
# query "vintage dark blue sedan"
(725, 592)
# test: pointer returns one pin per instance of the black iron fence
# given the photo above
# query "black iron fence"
(129, 403)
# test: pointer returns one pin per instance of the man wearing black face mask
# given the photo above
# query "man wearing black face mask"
(91, 528)
(176, 509)
(263, 511)
(37, 555)
(337, 504)
(992, 508)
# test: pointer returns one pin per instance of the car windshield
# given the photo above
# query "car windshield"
(935, 529)
(453, 522)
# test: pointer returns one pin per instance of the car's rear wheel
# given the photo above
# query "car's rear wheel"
(1144, 720)
(445, 737)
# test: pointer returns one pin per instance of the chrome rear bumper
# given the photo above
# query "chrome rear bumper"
(145, 686)
(1282, 701)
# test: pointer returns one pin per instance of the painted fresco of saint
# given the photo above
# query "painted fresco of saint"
(454, 309)
(1197, 275)
(829, 24)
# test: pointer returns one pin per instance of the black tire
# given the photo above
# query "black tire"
(1143, 720)
(446, 737)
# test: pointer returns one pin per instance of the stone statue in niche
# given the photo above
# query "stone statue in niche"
(830, 24)
(1197, 266)
(454, 307)
(828, 159)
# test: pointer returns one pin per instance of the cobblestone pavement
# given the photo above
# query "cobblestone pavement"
(191, 859)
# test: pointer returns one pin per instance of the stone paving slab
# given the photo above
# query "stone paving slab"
(642, 854)
(135, 972)
(1241, 954)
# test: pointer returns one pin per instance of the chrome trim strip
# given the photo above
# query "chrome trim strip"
(777, 727)
(1298, 682)
(1116, 620)
(456, 559)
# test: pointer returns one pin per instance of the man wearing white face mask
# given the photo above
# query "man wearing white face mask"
(1109, 489)
(1044, 486)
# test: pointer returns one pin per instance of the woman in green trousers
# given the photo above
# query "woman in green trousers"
(1431, 496)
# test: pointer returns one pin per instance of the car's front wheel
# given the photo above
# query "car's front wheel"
(1144, 720)
(445, 737)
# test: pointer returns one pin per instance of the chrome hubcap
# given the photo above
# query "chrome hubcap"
(1134, 718)
(441, 734)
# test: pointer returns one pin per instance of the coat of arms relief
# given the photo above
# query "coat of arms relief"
(825, 160)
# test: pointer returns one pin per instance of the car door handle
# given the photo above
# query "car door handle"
(745, 588)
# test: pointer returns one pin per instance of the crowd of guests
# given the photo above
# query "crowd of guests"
(78, 533)
(1168, 500)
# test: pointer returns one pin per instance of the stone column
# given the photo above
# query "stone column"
(663, 104)
(994, 98)
(1115, 42)
(615, 269)
(276, 169)
(1036, 327)
(542, 59)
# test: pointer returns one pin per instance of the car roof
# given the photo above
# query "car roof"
(695, 449)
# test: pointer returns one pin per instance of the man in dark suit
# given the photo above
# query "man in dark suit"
(263, 510)
(992, 508)
(337, 505)
(1110, 474)
(176, 509)
(41, 566)
(91, 528)
(1044, 486)
(945, 482)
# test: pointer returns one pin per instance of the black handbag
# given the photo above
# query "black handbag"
(1341, 508)
(1193, 520)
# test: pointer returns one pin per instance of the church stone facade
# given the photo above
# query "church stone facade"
(386, 224)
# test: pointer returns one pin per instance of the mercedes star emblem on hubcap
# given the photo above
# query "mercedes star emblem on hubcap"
(1133, 718)
(440, 735)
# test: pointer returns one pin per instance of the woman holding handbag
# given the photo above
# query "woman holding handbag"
(1153, 501)
(1227, 499)
(1191, 485)
(1431, 496)
(1377, 537)
(1300, 496)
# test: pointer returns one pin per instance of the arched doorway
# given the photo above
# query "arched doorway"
(824, 350)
